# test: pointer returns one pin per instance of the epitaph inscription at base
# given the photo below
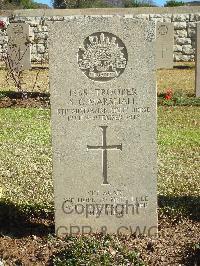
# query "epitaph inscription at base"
(103, 107)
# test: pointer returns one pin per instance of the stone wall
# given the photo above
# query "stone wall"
(183, 18)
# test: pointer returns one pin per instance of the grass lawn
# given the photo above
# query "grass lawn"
(26, 156)
(181, 78)
(26, 186)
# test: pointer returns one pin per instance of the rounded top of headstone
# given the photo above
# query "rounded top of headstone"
(102, 57)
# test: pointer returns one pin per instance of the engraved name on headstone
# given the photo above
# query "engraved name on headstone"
(103, 106)
(197, 62)
(164, 45)
(19, 50)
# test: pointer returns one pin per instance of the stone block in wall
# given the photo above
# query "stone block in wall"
(18, 19)
(3, 40)
(40, 48)
(33, 23)
(142, 16)
(180, 25)
(39, 19)
(36, 57)
(181, 33)
(35, 29)
(179, 57)
(192, 57)
(34, 48)
(39, 41)
(167, 17)
(180, 17)
(3, 33)
(195, 17)
(45, 21)
(187, 49)
(191, 24)
(192, 33)
(57, 18)
(4, 47)
(40, 28)
(46, 56)
(181, 41)
(41, 35)
(155, 17)
(177, 48)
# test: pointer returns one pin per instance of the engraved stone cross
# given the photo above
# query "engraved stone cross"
(104, 147)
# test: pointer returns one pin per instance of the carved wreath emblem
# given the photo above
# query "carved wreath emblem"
(162, 30)
(103, 56)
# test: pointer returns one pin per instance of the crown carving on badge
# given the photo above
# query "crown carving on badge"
(102, 56)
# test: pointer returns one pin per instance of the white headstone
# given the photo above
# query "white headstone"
(103, 106)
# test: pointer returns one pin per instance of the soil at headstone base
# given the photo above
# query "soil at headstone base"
(24, 100)
(30, 244)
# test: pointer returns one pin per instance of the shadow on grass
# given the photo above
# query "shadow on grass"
(184, 67)
(40, 68)
(183, 206)
(24, 99)
(24, 94)
(192, 255)
(21, 221)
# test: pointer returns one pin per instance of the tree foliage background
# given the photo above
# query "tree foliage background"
(174, 3)
(79, 3)
(20, 4)
(100, 3)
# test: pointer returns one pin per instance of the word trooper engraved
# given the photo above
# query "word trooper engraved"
(104, 147)
(103, 56)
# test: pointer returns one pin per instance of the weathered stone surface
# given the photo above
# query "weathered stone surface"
(181, 33)
(179, 25)
(167, 17)
(155, 17)
(192, 33)
(194, 17)
(19, 53)
(180, 17)
(191, 24)
(178, 48)
(179, 57)
(40, 48)
(187, 49)
(197, 61)
(143, 16)
(3, 40)
(164, 45)
(103, 100)
(182, 41)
